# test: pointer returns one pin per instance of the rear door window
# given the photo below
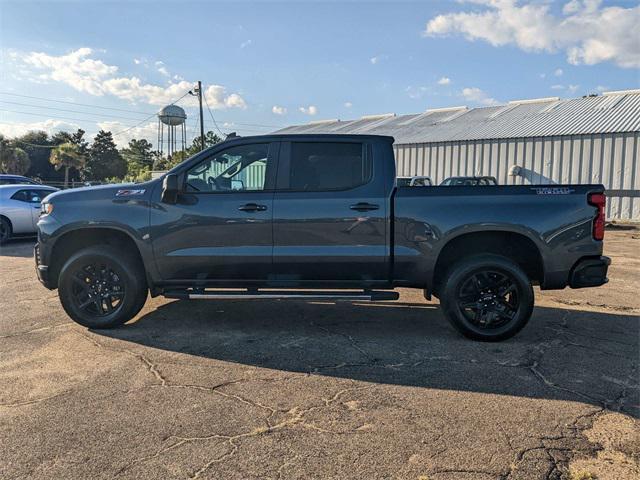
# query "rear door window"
(327, 166)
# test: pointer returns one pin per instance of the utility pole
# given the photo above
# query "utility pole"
(201, 119)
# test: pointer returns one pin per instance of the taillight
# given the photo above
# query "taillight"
(598, 200)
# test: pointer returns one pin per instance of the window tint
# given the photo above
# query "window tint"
(326, 166)
(31, 196)
(241, 168)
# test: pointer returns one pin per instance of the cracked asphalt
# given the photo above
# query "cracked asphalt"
(293, 389)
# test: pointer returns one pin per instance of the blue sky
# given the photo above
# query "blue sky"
(268, 64)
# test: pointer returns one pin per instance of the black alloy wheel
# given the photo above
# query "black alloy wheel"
(102, 286)
(488, 299)
(97, 289)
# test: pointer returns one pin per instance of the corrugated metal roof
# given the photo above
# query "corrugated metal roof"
(608, 113)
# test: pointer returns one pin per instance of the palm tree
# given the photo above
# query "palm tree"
(12, 159)
(67, 155)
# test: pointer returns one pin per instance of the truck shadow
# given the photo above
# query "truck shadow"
(562, 354)
(18, 247)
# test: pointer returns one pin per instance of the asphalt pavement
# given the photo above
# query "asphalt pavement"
(259, 389)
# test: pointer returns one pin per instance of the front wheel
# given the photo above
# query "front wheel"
(5, 230)
(101, 287)
(487, 298)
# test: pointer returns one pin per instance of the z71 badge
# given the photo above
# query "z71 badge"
(553, 190)
(129, 193)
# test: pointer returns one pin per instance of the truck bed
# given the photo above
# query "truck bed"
(556, 218)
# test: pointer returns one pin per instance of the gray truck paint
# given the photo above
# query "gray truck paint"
(305, 239)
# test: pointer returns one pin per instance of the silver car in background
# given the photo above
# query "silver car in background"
(20, 209)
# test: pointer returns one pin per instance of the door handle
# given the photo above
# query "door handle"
(252, 207)
(364, 206)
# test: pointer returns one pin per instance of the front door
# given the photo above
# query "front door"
(330, 215)
(220, 229)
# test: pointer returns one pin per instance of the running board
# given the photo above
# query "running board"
(201, 294)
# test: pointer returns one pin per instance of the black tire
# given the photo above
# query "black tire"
(487, 297)
(5, 230)
(102, 287)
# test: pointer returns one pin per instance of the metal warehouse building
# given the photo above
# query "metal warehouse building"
(593, 139)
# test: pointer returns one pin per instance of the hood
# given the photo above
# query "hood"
(115, 190)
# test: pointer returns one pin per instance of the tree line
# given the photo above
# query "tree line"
(69, 157)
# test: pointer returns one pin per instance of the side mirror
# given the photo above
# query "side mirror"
(170, 188)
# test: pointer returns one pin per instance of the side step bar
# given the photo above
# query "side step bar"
(202, 294)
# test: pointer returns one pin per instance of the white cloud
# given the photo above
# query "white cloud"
(310, 110)
(162, 69)
(559, 72)
(542, 75)
(218, 99)
(50, 126)
(148, 131)
(416, 92)
(444, 81)
(278, 110)
(75, 69)
(602, 88)
(348, 104)
(85, 74)
(570, 88)
(246, 43)
(476, 95)
(587, 32)
(377, 59)
(137, 61)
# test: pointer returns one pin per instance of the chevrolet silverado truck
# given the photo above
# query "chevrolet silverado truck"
(317, 216)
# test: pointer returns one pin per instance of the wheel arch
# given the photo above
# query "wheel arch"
(73, 240)
(516, 246)
(7, 219)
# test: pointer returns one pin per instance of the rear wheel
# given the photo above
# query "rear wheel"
(100, 287)
(5, 230)
(487, 297)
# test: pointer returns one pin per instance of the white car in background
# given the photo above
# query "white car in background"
(20, 209)
(416, 181)
(7, 179)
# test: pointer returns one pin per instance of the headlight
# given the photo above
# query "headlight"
(46, 208)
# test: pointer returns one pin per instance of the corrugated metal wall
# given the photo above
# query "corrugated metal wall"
(610, 159)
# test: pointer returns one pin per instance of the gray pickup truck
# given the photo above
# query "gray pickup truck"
(317, 216)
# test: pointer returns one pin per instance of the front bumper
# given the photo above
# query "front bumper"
(589, 272)
(41, 270)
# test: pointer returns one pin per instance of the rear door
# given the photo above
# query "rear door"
(330, 215)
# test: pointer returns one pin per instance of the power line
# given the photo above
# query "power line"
(152, 115)
(136, 112)
(133, 126)
(74, 103)
(214, 120)
(53, 116)
(67, 110)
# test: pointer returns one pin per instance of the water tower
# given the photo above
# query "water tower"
(174, 119)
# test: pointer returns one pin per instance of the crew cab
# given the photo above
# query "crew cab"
(317, 216)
